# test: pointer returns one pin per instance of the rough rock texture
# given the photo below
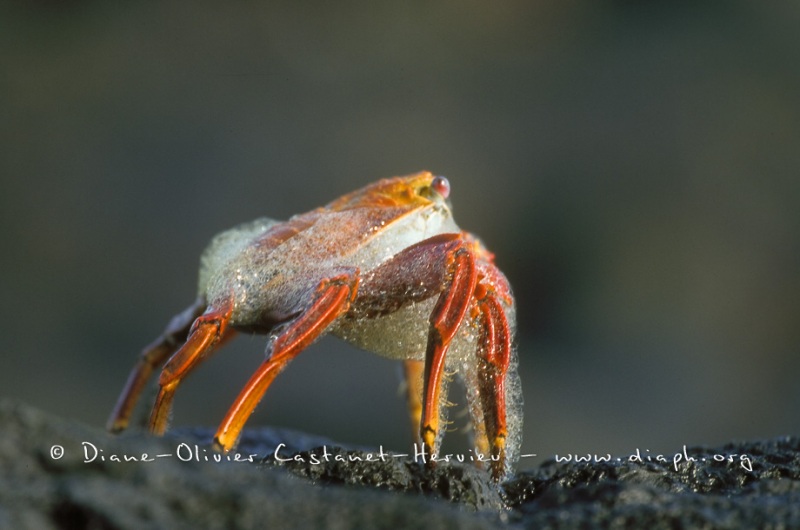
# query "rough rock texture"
(710, 492)
(312, 482)
(42, 488)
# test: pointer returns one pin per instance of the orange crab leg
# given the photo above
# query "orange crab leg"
(414, 371)
(494, 359)
(332, 298)
(447, 316)
(445, 265)
(207, 331)
(152, 357)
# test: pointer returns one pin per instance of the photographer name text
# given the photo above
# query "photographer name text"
(185, 452)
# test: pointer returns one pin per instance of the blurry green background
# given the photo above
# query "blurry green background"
(634, 166)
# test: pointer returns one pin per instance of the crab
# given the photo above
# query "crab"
(384, 268)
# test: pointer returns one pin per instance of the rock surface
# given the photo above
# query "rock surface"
(61, 474)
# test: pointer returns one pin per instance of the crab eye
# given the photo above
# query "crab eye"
(441, 185)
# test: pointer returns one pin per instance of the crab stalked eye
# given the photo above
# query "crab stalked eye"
(441, 185)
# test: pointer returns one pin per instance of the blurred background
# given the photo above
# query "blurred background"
(634, 166)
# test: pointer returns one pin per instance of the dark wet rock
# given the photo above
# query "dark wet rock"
(41, 490)
(314, 482)
(453, 482)
(707, 488)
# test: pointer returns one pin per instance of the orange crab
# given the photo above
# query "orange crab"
(384, 268)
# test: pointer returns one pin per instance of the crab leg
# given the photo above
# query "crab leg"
(494, 355)
(445, 265)
(152, 357)
(447, 316)
(207, 331)
(413, 371)
(332, 298)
